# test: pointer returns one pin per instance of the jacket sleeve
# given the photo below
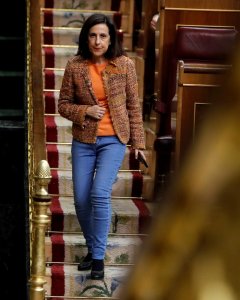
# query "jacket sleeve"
(137, 139)
(66, 106)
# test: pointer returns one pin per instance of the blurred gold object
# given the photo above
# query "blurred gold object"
(40, 221)
(193, 249)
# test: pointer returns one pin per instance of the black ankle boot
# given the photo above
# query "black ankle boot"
(97, 269)
(86, 263)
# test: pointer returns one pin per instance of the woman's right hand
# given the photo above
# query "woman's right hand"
(96, 111)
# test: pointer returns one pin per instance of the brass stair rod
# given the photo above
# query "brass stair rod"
(40, 221)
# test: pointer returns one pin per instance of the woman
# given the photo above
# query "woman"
(99, 95)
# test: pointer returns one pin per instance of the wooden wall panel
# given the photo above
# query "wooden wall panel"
(197, 88)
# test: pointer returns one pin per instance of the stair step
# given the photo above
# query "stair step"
(76, 18)
(60, 36)
(66, 280)
(128, 216)
(59, 129)
(58, 56)
(68, 36)
(59, 156)
(71, 248)
(79, 298)
(69, 4)
(52, 78)
(127, 184)
(50, 98)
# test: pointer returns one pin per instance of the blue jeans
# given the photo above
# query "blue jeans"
(95, 168)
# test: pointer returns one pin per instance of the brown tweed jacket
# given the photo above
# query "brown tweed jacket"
(120, 84)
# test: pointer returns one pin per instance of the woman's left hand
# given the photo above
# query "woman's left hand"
(139, 151)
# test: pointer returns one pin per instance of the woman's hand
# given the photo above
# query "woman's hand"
(96, 111)
(141, 153)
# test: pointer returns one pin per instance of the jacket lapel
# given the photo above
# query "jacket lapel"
(85, 74)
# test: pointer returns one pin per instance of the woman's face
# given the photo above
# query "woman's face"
(98, 41)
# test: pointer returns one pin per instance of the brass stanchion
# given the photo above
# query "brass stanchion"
(41, 203)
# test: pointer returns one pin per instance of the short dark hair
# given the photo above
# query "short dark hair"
(115, 48)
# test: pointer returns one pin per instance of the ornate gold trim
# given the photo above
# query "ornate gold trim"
(112, 197)
(76, 297)
(121, 170)
(53, 69)
(75, 264)
(29, 121)
(59, 46)
(51, 90)
(205, 26)
(202, 9)
(60, 28)
(200, 85)
(110, 234)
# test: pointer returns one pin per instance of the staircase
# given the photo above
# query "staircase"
(132, 192)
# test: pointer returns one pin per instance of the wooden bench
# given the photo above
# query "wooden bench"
(186, 12)
(174, 14)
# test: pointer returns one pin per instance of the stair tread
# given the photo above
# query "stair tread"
(122, 174)
(118, 206)
(70, 269)
(66, 148)
(76, 17)
(100, 5)
(59, 156)
(73, 239)
(128, 216)
(75, 10)
(79, 283)
(127, 183)
(120, 249)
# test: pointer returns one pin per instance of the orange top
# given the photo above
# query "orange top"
(105, 126)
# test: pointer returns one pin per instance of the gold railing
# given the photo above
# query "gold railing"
(38, 200)
(40, 221)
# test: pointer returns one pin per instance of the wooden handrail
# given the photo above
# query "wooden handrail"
(37, 82)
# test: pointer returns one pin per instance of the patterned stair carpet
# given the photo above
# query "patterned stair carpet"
(132, 191)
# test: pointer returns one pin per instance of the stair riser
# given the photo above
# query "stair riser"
(68, 37)
(119, 224)
(60, 157)
(58, 57)
(125, 184)
(76, 19)
(116, 253)
(59, 130)
(52, 79)
(129, 216)
(76, 283)
(69, 4)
